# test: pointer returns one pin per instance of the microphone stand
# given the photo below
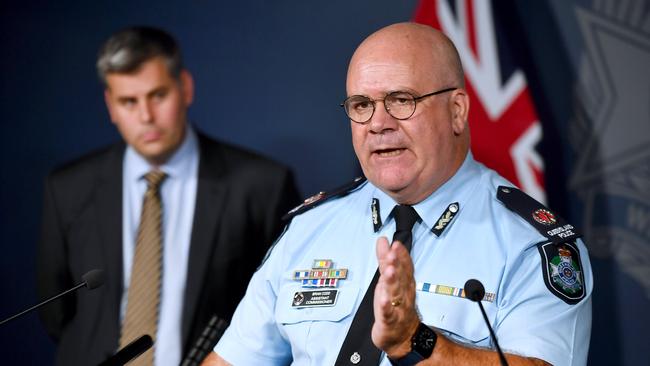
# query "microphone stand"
(502, 358)
(43, 303)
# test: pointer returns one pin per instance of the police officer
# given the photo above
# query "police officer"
(307, 303)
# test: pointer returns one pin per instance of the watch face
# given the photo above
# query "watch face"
(422, 344)
(424, 340)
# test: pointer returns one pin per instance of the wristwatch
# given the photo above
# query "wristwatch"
(422, 344)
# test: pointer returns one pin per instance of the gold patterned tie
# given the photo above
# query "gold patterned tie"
(144, 289)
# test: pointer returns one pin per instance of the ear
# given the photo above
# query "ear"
(459, 109)
(109, 104)
(187, 87)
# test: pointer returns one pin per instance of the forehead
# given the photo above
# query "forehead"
(384, 71)
(151, 75)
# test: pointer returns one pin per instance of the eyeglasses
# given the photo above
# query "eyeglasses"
(399, 104)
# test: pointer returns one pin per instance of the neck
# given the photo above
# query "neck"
(411, 196)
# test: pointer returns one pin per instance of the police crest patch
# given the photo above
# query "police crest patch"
(562, 271)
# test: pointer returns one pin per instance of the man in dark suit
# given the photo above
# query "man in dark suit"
(215, 210)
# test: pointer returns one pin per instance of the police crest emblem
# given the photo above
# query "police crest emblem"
(562, 269)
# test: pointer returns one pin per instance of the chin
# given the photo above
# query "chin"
(157, 156)
(390, 182)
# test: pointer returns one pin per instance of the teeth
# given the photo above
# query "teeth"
(390, 153)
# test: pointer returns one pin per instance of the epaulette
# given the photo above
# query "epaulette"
(552, 226)
(321, 197)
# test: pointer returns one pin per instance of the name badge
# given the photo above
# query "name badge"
(308, 299)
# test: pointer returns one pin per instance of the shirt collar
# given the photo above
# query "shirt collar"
(177, 166)
(456, 189)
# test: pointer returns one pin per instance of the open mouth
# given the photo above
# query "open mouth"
(387, 153)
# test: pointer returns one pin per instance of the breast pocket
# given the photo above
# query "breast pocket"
(305, 326)
(314, 331)
(458, 317)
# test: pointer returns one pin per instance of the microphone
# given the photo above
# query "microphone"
(129, 352)
(92, 279)
(206, 342)
(475, 291)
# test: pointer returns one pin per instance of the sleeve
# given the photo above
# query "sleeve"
(534, 321)
(51, 267)
(254, 337)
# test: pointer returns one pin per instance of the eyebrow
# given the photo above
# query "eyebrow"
(159, 89)
(125, 98)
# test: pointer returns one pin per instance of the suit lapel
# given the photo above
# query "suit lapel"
(210, 197)
(108, 198)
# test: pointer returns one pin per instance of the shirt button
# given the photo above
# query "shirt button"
(355, 358)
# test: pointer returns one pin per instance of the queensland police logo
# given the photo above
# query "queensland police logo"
(298, 298)
(544, 217)
(563, 271)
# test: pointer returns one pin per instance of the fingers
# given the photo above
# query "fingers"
(395, 291)
(393, 259)
(382, 248)
(385, 297)
(394, 300)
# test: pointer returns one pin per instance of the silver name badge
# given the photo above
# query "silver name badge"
(307, 299)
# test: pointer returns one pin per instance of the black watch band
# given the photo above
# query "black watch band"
(422, 345)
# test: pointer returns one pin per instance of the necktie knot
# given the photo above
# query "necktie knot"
(405, 217)
(154, 178)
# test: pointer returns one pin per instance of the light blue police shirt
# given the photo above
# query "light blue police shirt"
(485, 240)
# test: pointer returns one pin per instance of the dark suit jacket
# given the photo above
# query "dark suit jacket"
(240, 200)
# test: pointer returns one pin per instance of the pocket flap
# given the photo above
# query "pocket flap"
(458, 316)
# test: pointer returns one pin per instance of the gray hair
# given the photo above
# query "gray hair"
(129, 48)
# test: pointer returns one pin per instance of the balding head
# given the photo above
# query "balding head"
(422, 47)
(411, 157)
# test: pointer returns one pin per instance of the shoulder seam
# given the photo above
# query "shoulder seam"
(322, 197)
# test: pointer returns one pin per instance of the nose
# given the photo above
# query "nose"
(146, 112)
(381, 120)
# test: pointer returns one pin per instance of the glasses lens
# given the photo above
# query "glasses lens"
(400, 105)
(359, 108)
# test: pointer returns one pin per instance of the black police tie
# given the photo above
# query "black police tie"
(358, 349)
(405, 218)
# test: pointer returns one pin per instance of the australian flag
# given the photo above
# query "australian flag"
(505, 129)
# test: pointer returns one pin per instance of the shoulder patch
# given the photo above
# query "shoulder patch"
(562, 269)
(552, 226)
(321, 197)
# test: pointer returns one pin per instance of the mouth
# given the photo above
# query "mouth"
(151, 136)
(389, 153)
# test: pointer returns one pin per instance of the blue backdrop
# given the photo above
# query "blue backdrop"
(270, 75)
